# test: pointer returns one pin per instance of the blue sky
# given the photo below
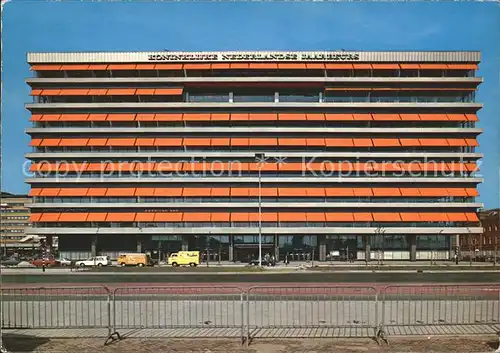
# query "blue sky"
(155, 26)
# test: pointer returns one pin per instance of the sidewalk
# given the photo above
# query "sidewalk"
(228, 268)
(463, 344)
(357, 263)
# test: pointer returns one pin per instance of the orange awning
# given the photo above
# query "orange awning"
(462, 66)
(49, 67)
(145, 66)
(121, 67)
(145, 217)
(35, 217)
(168, 142)
(51, 142)
(120, 217)
(409, 66)
(49, 217)
(121, 117)
(121, 92)
(239, 66)
(263, 66)
(120, 192)
(168, 192)
(96, 192)
(410, 217)
(339, 217)
(386, 217)
(168, 66)
(388, 66)
(73, 217)
(293, 116)
(433, 66)
(333, 66)
(196, 217)
(168, 91)
(120, 142)
(292, 66)
(362, 217)
(97, 217)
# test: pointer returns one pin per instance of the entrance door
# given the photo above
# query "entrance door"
(343, 248)
(246, 253)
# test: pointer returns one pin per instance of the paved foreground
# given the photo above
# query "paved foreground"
(20, 343)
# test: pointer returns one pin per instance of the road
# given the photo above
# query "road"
(259, 278)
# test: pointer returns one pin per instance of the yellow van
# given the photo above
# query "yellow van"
(191, 258)
(134, 259)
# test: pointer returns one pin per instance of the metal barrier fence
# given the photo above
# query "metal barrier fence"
(180, 311)
(440, 309)
(56, 308)
(260, 311)
(311, 312)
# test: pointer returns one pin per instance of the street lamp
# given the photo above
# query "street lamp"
(433, 250)
(260, 158)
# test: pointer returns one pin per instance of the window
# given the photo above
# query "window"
(284, 97)
(253, 239)
(208, 97)
(434, 242)
(253, 97)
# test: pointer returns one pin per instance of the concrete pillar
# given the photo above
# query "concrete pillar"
(139, 244)
(368, 248)
(322, 247)
(276, 248)
(48, 242)
(231, 248)
(185, 244)
(413, 247)
(93, 246)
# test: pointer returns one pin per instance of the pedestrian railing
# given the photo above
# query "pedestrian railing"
(180, 311)
(311, 311)
(56, 308)
(440, 309)
(260, 311)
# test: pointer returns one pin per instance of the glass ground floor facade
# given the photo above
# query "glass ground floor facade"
(243, 248)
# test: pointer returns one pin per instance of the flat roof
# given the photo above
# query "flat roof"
(5, 194)
(256, 56)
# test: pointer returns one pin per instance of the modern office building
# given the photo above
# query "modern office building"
(310, 154)
(14, 219)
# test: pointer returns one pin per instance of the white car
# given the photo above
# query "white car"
(95, 261)
(62, 261)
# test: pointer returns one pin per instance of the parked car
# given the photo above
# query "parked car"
(62, 261)
(48, 262)
(13, 261)
(95, 261)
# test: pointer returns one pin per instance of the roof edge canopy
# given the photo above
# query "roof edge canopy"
(256, 56)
